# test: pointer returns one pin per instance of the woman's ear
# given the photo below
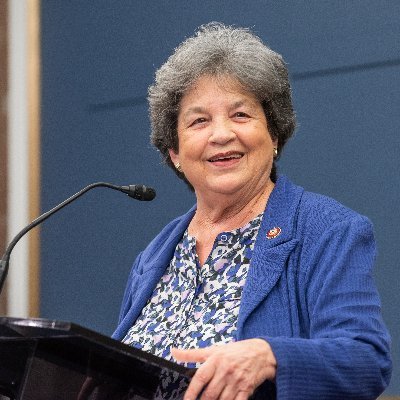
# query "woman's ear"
(275, 143)
(174, 156)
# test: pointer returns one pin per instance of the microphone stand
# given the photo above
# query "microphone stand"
(138, 192)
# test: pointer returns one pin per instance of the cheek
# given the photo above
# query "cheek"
(192, 147)
(258, 141)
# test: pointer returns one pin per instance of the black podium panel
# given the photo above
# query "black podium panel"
(53, 360)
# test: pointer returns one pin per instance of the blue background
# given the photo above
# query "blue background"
(98, 59)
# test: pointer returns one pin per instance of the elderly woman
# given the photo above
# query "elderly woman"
(263, 286)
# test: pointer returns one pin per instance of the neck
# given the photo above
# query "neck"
(226, 212)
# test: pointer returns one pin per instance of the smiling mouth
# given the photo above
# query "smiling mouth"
(226, 157)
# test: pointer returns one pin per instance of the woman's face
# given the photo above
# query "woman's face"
(224, 143)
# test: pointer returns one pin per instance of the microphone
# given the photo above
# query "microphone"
(138, 192)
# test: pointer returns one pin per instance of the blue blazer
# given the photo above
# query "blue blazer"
(309, 292)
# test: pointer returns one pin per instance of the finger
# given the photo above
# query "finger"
(229, 392)
(223, 385)
(216, 385)
(199, 381)
(243, 395)
(190, 355)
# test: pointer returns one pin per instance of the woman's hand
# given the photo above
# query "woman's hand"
(230, 371)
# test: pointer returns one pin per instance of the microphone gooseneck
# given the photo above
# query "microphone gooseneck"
(138, 192)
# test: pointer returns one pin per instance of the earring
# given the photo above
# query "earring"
(275, 151)
(178, 167)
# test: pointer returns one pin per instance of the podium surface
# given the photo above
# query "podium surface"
(54, 360)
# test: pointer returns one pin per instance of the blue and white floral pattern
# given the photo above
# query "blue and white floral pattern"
(197, 306)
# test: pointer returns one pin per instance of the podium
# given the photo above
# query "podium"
(53, 360)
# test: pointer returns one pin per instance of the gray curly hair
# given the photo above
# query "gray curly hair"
(220, 51)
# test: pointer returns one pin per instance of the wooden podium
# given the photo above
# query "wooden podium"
(52, 360)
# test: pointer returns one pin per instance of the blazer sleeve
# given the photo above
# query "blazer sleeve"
(346, 355)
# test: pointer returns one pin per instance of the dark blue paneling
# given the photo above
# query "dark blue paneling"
(99, 57)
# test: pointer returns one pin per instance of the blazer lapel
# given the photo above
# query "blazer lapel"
(275, 242)
(263, 275)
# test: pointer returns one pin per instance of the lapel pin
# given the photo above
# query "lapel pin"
(274, 232)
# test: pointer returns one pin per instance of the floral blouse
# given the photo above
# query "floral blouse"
(196, 306)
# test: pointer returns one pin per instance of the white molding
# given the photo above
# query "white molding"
(18, 193)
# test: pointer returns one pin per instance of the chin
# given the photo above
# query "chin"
(225, 187)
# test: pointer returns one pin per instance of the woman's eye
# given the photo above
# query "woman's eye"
(198, 121)
(241, 114)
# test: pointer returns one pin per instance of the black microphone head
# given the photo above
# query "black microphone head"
(140, 192)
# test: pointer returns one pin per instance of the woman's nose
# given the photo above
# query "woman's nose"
(221, 133)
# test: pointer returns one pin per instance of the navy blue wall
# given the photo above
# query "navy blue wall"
(99, 57)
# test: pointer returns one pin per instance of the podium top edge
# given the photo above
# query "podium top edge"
(37, 323)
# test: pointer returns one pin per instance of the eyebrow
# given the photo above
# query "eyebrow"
(193, 110)
(240, 103)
